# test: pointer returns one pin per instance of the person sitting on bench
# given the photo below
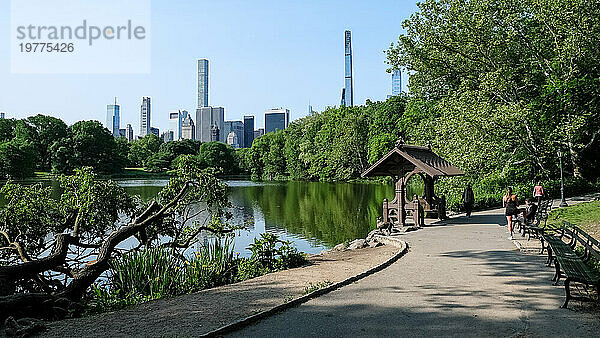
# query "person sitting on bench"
(528, 215)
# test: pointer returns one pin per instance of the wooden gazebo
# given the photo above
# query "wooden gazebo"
(401, 163)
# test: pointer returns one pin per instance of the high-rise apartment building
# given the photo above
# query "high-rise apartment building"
(145, 116)
(276, 119)
(188, 129)
(348, 99)
(176, 118)
(129, 132)
(396, 82)
(202, 83)
(236, 127)
(206, 118)
(113, 118)
(248, 131)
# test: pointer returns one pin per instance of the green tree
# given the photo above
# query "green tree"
(218, 155)
(168, 151)
(529, 68)
(90, 145)
(49, 130)
(140, 151)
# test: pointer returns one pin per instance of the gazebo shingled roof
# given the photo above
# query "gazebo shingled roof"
(408, 158)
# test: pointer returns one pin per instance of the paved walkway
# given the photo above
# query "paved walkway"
(461, 279)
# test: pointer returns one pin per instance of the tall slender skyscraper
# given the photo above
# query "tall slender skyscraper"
(349, 92)
(129, 132)
(202, 83)
(248, 131)
(396, 82)
(113, 118)
(145, 116)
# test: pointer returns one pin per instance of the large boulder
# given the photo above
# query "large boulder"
(339, 247)
(357, 244)
(373, 243)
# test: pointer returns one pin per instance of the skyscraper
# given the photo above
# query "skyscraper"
(188, 130)
(206, 118)
(248, 131)
(214, 133)
(145, 116)
(113, 118)
(396, 82)
(349, 92)
(276, 119)
(176, 118)
(167, 136)
(129, 132)
(236, 127)
(202, 83)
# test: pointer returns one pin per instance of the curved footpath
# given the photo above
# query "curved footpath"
(460, 279)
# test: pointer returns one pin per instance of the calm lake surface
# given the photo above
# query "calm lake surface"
(314, 215)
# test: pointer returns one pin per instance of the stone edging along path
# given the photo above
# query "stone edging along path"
(403, 246)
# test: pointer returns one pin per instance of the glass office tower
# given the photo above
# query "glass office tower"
(113, 118)
(248, 131)
(276, 119)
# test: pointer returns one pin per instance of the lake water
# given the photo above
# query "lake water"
(314, 215)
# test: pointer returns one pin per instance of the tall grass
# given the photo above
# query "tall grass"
(213, 265)
(153, 273)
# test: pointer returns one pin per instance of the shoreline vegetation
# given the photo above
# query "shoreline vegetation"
(158, 272)
(62, 256)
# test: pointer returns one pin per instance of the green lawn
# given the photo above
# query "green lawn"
(584, 215)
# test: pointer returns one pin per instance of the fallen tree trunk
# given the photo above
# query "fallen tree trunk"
(12, 273)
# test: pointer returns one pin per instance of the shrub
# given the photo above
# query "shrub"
(265, 251)
(152, 273)
(213, 265)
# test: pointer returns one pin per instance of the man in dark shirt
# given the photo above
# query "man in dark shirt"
(528, 215)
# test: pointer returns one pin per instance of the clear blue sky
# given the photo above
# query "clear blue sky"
(263, 54)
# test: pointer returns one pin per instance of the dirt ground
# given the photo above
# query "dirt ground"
(202, 312)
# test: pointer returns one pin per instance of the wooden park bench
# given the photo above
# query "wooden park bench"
(569, 262)
(534, 229)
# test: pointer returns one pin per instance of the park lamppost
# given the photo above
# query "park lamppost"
(563, 203)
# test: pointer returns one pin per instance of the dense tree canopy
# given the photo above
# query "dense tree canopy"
(519, 78)
(89, 144)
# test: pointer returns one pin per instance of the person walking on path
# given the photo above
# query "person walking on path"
(468, 198)
(509, 201)
(538, 192)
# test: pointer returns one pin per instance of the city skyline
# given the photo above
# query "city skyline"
(258, 58)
